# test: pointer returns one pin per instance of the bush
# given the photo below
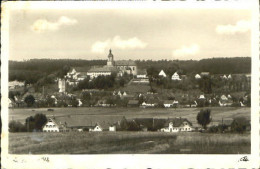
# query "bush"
(239, 125)
(15, 126)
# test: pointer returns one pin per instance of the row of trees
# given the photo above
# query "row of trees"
(32, 123)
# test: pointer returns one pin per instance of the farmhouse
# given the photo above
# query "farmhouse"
(175, 76)
(162, 74)
(168, 103)
(197, 76)
(141, 74)
(79, 123)
(177, 125)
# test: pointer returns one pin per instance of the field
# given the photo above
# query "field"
(217, 113)
(128, 143)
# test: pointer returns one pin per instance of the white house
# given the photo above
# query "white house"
(197, 76)
(223, 97)
(168, 103)
(162, 73)
(97, 127)
(224, 77)
(202, 96)
(80, 102)
(141, 74)
(51, 126)
(112, 128)
(177, 125)
(175, 76)
(229, 76)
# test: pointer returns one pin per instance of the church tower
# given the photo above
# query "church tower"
(110, 60)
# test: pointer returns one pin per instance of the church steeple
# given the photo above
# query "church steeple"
(110, 61)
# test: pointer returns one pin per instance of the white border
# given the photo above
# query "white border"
(131, 161)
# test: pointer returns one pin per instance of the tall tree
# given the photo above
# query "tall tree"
(29, 100)
(204, 118)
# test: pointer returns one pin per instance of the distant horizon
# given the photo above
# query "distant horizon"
(133, 59)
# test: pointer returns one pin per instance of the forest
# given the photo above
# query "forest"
(31, 71)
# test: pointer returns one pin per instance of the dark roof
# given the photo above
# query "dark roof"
(141, 71)
(133, 102)
(85, 121)
(168, 102)
(103, 69)
(81, 69)
(177, 122)
(125, 63)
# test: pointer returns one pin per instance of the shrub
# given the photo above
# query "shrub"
(239, 124)
(15, 126)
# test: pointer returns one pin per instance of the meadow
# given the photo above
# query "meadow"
(217, 113)
(128, 143)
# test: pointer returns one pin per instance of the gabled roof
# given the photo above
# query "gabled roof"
(85, 121)
(141, 71)
(177, 122)
(125, 63)
(133, 102)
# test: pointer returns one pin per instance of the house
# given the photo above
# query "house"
(62, 85)
(162, 74)
(175, 76)
(148, 104)
(78, 123)
(204, 74)
(102, 103)
(194, 104)
(79, 102)
(202, 96)
(197, 76)
(141, 74)
(15, 84)
(223, 97)
(52, 126)
(94, 72)
(133, 103)
(168, 103)
(177, 125)
(229, 76)
(225, 101)
(97, 127)
(224, 77)
(11, 103)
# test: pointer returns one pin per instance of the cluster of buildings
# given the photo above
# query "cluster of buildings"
(95, 124)
(118, 67)
(74, 123)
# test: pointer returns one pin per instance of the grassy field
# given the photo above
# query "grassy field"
(128, 143)
(109, 113)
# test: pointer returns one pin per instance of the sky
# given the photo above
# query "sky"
(155, 34)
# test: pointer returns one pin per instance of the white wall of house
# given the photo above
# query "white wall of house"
(168, 105)
(140, 76)
(96, 74)
(112, 128)
(50, 126)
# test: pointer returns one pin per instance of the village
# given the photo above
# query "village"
(137, 89)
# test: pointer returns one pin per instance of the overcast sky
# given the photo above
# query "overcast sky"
(131, 34)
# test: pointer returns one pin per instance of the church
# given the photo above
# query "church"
(119, 67)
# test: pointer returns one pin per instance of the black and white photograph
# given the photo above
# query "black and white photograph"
(103, 81)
